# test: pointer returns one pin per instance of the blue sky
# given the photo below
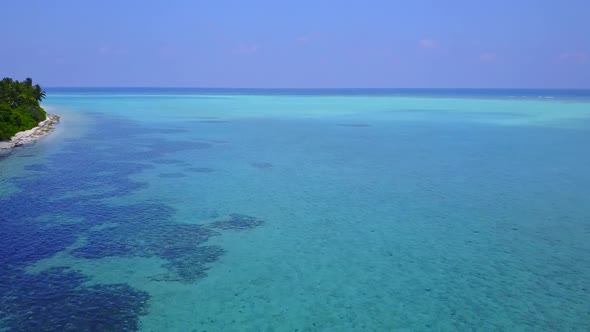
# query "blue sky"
(306, 44)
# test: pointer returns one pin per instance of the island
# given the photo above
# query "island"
(22, 119)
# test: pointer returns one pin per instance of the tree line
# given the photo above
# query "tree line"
(19, 106)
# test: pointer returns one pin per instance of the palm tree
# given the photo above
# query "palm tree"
(38, 93)
(8, 91)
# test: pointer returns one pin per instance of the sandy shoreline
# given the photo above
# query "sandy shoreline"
(31, 135)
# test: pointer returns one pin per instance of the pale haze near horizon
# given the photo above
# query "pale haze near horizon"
(302, 44)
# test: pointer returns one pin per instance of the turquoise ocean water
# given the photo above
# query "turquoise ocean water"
(300, 210)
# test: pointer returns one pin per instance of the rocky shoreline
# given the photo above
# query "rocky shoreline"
(31, 135)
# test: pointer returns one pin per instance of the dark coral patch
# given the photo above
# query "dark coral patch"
(56, 300)
(188, 268)
(182, 245)
(237, 221)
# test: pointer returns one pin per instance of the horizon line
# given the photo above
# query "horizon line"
(311, 88)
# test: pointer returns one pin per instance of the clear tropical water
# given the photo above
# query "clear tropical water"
(281, 210)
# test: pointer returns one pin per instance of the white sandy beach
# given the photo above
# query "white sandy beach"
(31, 135)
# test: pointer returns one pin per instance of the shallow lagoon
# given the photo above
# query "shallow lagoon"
(284, 212)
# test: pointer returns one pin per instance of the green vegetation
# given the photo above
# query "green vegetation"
(19, 106)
